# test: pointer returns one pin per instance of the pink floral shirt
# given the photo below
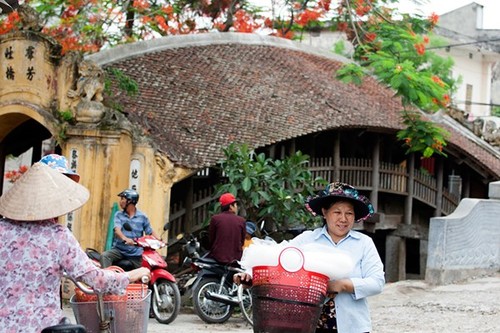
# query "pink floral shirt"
(33, 256)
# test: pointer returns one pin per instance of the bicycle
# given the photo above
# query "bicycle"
(245, 303)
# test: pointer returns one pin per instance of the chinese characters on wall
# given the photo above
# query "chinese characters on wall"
(135, 168)
(73, 165)
(11, 53)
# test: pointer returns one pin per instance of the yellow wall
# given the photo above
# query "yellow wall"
(101, 157)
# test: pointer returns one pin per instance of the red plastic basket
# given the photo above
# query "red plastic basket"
(285, 298)
(134, 291)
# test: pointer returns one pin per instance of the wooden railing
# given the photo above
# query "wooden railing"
(424, 188)
(393, 178)
(450, 202)
(356, 172)
(202, 201)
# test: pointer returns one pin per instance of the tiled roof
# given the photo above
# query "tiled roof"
(198, 93)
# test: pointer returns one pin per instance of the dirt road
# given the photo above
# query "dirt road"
(414, 306)
(404, 307)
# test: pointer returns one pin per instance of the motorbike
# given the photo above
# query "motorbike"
(215, 296)
(166, 298)
(186, 275)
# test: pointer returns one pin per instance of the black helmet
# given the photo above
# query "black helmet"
(131, 195)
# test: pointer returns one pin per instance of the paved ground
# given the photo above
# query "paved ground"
(404, 307)
(187, 322)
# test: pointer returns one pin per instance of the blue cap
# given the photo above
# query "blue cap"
(60, 163)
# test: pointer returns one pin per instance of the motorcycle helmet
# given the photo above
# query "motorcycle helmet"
(250, 227)
(131, 196)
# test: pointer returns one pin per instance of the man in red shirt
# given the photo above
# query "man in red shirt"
(227, 231)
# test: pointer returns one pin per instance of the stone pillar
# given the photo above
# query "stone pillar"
(494, 190)
(395, 258)
(402, 260)
(424, 244)
(105, 157)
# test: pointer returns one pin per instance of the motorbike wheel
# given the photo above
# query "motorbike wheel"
(167, 307)
(211, 311)
(245, 299)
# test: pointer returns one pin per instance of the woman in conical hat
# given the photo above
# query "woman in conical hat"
(36, 250)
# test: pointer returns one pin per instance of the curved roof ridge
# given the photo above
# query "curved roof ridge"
(125, 51)
(200, 92)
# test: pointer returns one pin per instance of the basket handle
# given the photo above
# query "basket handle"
(291, 259)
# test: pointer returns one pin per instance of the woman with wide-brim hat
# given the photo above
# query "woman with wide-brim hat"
(35, 250)
(346, 309)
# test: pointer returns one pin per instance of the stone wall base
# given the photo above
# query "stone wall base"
(448, 276)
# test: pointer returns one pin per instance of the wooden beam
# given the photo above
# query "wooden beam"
(336, 158)
(439, 185)
(409, 185)
(375, 173)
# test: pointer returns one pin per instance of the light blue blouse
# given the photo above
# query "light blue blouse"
(353, 315)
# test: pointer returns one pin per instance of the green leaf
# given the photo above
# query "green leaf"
(246, 184)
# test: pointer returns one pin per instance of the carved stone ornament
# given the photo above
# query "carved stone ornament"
(491, 133)
(30, 19)
(88, 94)
(89, 112)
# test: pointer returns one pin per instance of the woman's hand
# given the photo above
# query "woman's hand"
(340, 286)
(138, 274)
(242, 278)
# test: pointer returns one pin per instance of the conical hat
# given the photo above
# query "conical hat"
(42, 193)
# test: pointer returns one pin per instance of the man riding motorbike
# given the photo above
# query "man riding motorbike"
(123, 243)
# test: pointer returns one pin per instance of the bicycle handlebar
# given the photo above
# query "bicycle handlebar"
(88, 290)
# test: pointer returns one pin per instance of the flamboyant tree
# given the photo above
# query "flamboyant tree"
(389, 46)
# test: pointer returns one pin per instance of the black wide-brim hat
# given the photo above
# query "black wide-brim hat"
(337, 191)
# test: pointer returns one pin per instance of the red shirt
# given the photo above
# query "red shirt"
(227, 235)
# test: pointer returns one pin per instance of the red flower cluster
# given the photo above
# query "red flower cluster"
(443, 102)
(307, 16)
(10, 23)
(370, 36)
(14, 175)
(342, 26)
(362, 7)
(140, 5)
(325, 4)
(438, 80)
(243, 22)
(420, 47)
(434, 18)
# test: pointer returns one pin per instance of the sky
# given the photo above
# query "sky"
(491, 9)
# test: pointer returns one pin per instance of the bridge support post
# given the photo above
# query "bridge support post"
(395, 258)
